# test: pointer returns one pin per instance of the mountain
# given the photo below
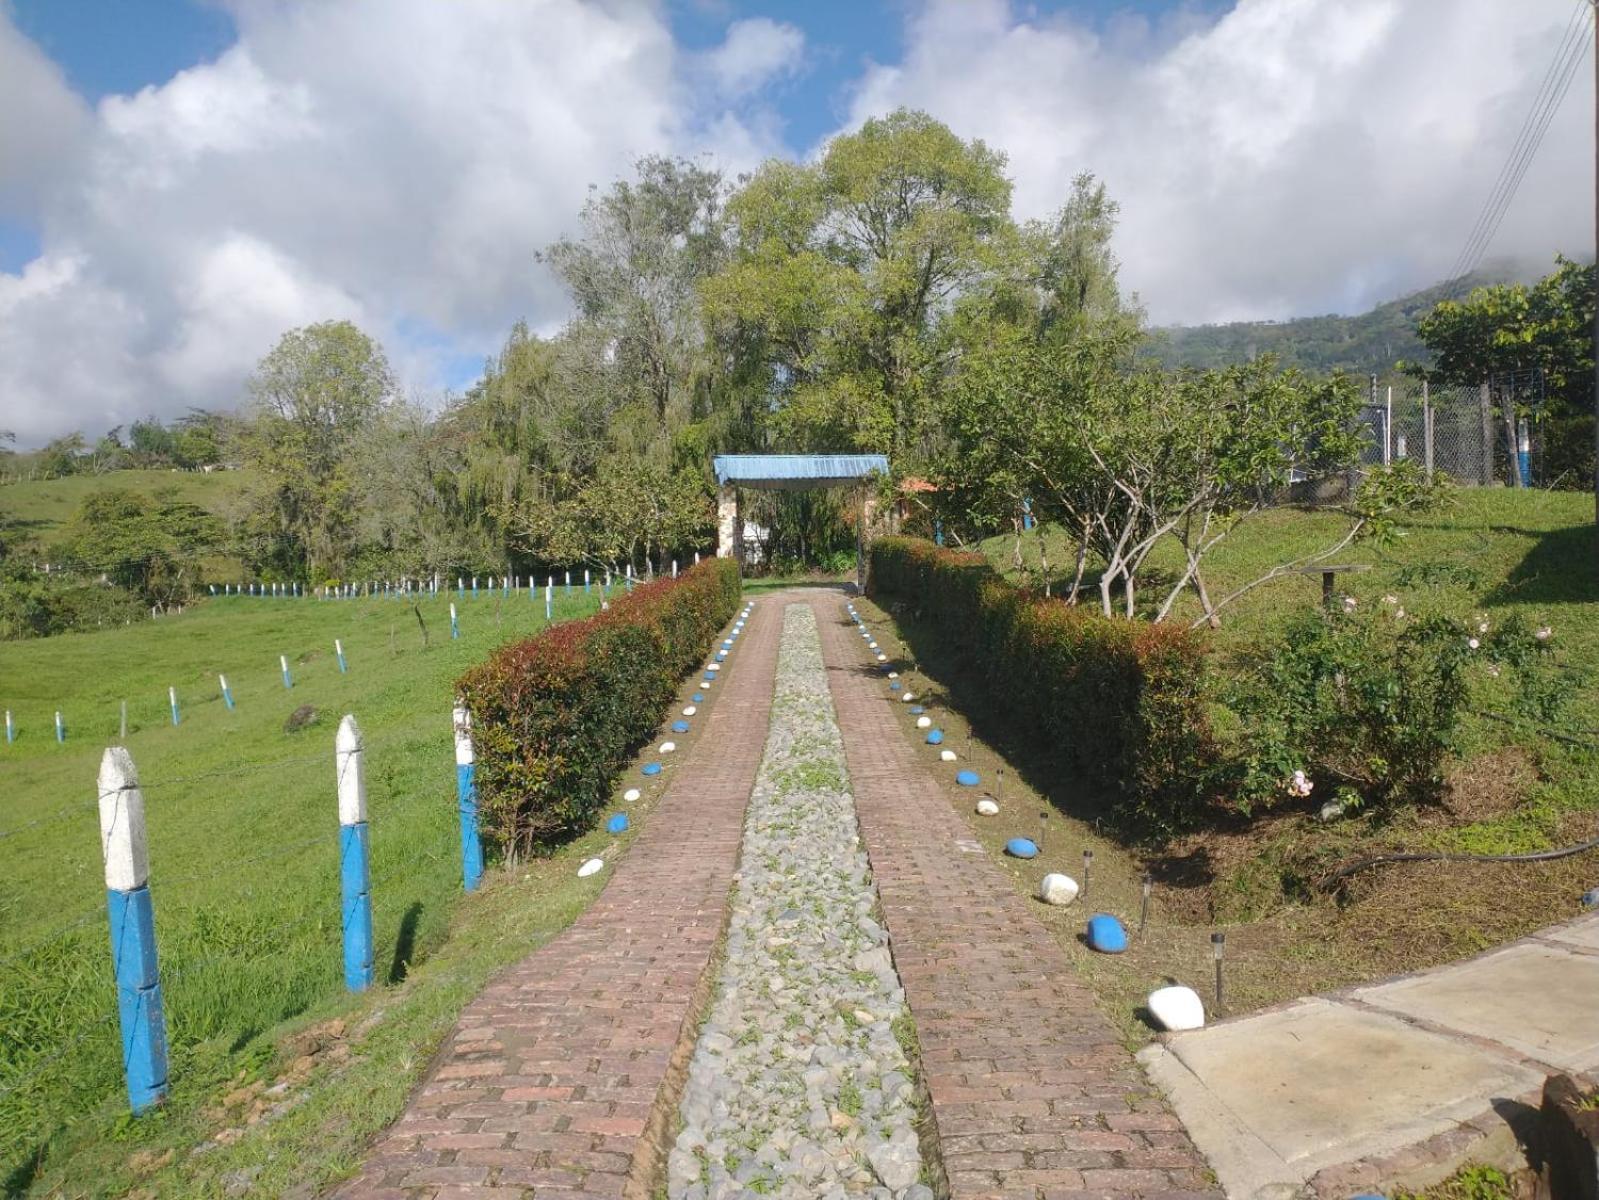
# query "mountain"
(1370, 342)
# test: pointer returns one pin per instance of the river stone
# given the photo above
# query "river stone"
(882, 658)
(617, 823)
(650, 769)
(591, 866)
(1056, 888)
(894, 686)
(923, 722)
(679, 726)
(689, 710)
(987, 808)
(935, 737)
(300, 718)
(967, 778)
(1105, 934)
(893, 674)
(1177, 1008)
(918, 710)
(1021, 847)
(946, 756)
(668, 747)
(897, 1163)
(907, 698)
(631, 795)
(698, 697)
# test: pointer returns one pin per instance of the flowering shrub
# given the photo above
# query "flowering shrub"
(1364, 702)
(555, 717)
(1123, 700)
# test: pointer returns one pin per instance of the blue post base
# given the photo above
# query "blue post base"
(355, 881)
(471, 841)
(144, 1031)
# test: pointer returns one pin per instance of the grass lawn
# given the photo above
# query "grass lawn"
(242, 820)
(1513, 788)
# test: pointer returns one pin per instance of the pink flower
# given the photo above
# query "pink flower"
(1473, 643)
(1299, 785)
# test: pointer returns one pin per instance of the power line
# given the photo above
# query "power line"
(1569, 53)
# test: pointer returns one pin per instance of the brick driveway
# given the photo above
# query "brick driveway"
(551, 1078)
(1033, 1095)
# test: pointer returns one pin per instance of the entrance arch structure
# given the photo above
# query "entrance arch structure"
(791, 473)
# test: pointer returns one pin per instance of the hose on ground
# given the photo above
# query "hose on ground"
(1326, 882)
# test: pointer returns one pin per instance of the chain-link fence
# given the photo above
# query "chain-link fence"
(1478, 436)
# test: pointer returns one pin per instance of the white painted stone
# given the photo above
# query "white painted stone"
(127, 857)
(924, 722)
(668, 747)
(906, 698)
(588, 868)
(893, 674)
(946, 755)
(987, 808)
(715, 666)
(882, 658)
(349, 759)
(1056, 888)
(1177, 1008)
(690, 710)
(631, 795)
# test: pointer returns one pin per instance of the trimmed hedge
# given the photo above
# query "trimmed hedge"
(1124, 701)
(556, 717)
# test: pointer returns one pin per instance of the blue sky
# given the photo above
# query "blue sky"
(192, 179)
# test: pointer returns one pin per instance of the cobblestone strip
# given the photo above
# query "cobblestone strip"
(1032, 1094)
(551, 1079)
(799, 1087)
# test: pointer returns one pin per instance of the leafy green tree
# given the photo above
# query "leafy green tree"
(315, 394)
(1508, 328)
(152, 547)
(844, 269)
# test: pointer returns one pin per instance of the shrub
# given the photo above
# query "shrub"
(1124, 701)
(557, 716)
(1369, 702)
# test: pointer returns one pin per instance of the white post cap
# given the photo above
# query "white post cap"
(351, 771)
(463, 735)
(122, 840)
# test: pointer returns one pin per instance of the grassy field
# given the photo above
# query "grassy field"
(242, 823)
(1513, 788)
(40, 509)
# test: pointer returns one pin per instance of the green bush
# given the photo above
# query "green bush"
(555, 717)
(1369, 701)
(1123, 700)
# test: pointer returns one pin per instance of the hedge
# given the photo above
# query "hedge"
(1123, 701)
(556, 717)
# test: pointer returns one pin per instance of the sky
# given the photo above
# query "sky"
(182, 181)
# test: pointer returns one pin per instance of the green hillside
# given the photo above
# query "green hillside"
(38, 509)
(1368, 342)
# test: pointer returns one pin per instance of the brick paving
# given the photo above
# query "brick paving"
(1032, 1094)
(557, 1077)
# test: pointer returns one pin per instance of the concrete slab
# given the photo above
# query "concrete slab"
(1538, 1000)
(1271, 1100)
(1584, 933)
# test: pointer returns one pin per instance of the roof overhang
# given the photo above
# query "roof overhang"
(796, 472)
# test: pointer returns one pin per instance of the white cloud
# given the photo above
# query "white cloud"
(397, 162)
(42, 127)
(755, 52)
(1291, 156)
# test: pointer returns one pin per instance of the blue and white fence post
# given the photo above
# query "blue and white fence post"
(354, 872)
(338, 649)
(674, 568)
(549, 599)
(283, 663)
(455, 626)
(466, 796)
(61, 729)
(127, 882)
(569, 584)
(11, 730)
(172, 699)
(227, 692)
(585, 581)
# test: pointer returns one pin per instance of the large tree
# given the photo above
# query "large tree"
(315, 394)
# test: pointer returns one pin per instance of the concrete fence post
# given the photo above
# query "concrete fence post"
(338, 649)
(227, 692)
(133, 954)
(549, 599)
(172, 699)
(569, 583)
(61, 729)
(585, 581)
(455, 626)
(11, 730)
(674, 568)
(466, 797)
(354, 871)
(283, 664)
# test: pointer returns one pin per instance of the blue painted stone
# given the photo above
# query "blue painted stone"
(710, 678)
(698, 697)
(917, 710)
(1105, 934)
(652, 769)
(721, 656)
(617, 823)
(967, 778)
(1021, 848)
(893, 685)
(727, 641)
(679, 726)
(935, 737)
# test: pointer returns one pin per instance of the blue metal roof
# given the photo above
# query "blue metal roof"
(797, 470)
